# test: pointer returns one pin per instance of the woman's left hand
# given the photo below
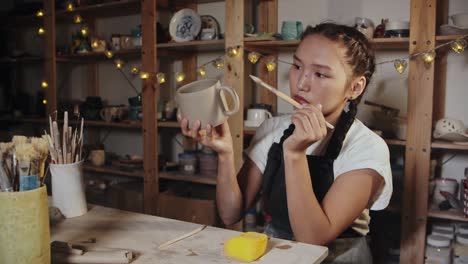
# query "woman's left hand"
(310, 128)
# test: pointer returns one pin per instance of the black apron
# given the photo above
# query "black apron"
(321, 173)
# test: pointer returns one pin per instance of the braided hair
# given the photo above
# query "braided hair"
(359, 56)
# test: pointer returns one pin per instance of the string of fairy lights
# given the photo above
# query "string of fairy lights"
(270, 62)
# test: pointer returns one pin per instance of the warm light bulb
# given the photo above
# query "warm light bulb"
(84, 31)
(232, 52)
(144, 75)
(109, 54)
(161, 77)
(271, 65)
(77, 19)
(70, 6)
(428, 57)
(134, 70)
(41, 31)
(201, 71)
(459, 45)
(44, 84)
(94, 44)
(400, 66)
(253, 57)
(40, 13)
(119, 63)
(218, 63)
(180, 76)
(44, 101)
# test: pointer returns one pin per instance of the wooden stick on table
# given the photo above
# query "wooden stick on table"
(184, 236)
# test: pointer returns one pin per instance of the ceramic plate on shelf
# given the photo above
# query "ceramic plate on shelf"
(185, 25)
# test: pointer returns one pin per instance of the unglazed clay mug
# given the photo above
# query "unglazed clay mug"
(97, 157)
(257, 116)
(204, 100)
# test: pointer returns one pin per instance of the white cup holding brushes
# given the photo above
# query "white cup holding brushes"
(68, 192)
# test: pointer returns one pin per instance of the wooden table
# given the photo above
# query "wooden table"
(143, 234)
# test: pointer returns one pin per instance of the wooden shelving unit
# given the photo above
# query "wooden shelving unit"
(111, 9)
(187, 178)
(448, 215)
(92, 57)
(175, 176)
(112, 171)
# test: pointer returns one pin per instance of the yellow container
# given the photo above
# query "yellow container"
(24, 227)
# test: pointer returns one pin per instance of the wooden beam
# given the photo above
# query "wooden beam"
(189, 66)
(234, 71)
(440, 66)
(268, 22)
(92, 68)
(50, 69)
(150, 96)
(418, 149)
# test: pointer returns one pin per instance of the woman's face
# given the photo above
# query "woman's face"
(320, 74)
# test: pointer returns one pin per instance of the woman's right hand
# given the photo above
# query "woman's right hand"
(217, 138)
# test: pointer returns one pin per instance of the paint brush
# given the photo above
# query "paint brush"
(282, 95)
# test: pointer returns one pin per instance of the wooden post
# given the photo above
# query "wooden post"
(418, 143)
(49, 56)
(268, 22)
(234, 71)
(440, 66)
(149, 94)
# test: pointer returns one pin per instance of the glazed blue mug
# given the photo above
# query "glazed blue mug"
(291, 30)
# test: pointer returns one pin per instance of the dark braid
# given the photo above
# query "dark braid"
(359, 56)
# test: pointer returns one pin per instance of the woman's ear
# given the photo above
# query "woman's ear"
(357, 88)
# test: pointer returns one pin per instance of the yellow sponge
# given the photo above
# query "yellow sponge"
(246, 247)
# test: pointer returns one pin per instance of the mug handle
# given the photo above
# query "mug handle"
(268, 114)
(101, 114)
(234, 96)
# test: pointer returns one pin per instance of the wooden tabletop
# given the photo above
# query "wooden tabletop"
(112, 228)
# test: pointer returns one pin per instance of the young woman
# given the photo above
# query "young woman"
(317, 184)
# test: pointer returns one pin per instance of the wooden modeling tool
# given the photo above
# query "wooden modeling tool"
(282, 95)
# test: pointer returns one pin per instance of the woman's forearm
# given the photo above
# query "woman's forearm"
(308, 221)
(228, 193)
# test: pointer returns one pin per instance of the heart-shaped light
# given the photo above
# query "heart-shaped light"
(400, 66)
(134, 70)
(253, 57)
(232, 52)
(271, 64)
(428, 57)
(180, 76)
(218, 63)
(201, 71)
(458, 45)
(161, 77)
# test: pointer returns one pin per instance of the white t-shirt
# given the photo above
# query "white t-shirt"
(362, 149)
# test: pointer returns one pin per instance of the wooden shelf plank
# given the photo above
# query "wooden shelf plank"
(447, 38)
(12, 21)
(250, 130)
(112, 170)
(285, 45)
(110, 9)
(21, 60)
(449, 215)
(195, 45)
(169, 124)
(99, 56)
(90, 123)
(188, 178)
(439, 144)
(395, 142)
